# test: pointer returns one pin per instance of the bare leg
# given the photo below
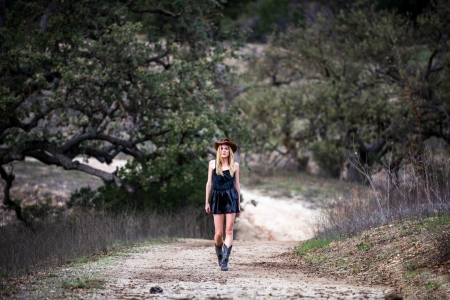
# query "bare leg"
(229, 226)
(218, 229)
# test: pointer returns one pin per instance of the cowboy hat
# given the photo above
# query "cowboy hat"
(226, 142)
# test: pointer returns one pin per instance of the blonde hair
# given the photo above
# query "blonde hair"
(219, 161)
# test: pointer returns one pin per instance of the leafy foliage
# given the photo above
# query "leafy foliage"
(369, 82)
(79, 82)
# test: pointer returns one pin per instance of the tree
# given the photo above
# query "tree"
(369, 82)
(76, 80)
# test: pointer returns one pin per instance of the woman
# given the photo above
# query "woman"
(223, 179)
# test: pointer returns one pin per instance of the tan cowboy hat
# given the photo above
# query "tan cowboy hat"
(226, 142)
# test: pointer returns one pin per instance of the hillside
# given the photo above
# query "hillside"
(412, 256)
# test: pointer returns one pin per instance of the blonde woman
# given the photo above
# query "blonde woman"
(223, 182)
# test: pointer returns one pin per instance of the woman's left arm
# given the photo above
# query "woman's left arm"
(237, 185)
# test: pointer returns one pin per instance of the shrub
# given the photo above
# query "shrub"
(328, 157)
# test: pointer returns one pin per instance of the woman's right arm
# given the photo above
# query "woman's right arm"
(209, 186)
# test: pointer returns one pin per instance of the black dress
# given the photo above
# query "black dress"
(225, 197)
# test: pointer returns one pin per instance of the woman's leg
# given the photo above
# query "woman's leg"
(229, 226)
(227, 245)
(218, 229)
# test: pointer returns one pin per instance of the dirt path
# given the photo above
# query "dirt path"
(258, 270)
(274, 219)
(261, 263)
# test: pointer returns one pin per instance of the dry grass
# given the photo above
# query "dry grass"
(36, 182)
(410, 256)
(395, 231)
(62, 238)
(58, 235)
(422, 189)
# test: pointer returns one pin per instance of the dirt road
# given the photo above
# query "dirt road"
(261, 265)
(258, 270)
(274, 219)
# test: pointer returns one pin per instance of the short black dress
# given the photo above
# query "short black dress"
(225, 197)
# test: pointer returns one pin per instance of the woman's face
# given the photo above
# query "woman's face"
(225, 151)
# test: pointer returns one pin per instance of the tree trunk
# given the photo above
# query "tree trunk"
(10, 204)
(355, 169)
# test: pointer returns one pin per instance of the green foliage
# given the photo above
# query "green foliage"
(364, 246)
(83, 199)
(96, 79)
(441, 219)
(367, 80)
(83, 283)
(313, 244)
(432, 285)
(40, 211)
(328, 157)
(261, 16)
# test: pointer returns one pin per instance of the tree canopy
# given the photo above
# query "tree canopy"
(78, 80)
(363, 84)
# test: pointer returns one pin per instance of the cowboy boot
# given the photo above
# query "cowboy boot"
(219, 253)
(225, 255)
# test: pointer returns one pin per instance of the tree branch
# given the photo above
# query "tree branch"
(43, 23)
(128, 146)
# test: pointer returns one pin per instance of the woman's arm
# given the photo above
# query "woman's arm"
(237, 185)
(212, 163)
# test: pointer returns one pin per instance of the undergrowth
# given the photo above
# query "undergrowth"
(419, 189)
(69, 236)
(312, 244)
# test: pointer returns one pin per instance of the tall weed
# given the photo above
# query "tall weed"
(58, 238)
(420, 188)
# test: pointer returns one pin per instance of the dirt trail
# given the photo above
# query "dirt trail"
(261, 264)
(258, 270)
(274, 219)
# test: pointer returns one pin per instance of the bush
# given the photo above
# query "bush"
(328, 157)
(180, 191)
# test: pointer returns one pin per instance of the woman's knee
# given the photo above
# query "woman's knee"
(218, 234)
(229, 229)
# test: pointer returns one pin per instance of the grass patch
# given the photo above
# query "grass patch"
(431, 286)
(313, 244)
(439, 220)
(364, 246)
(342, 262)
(412, 273)
(83, 283)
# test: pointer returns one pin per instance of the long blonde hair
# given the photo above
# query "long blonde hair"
(219, 161)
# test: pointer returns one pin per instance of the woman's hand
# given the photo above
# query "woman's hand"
(238, 213)
(207, 208)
